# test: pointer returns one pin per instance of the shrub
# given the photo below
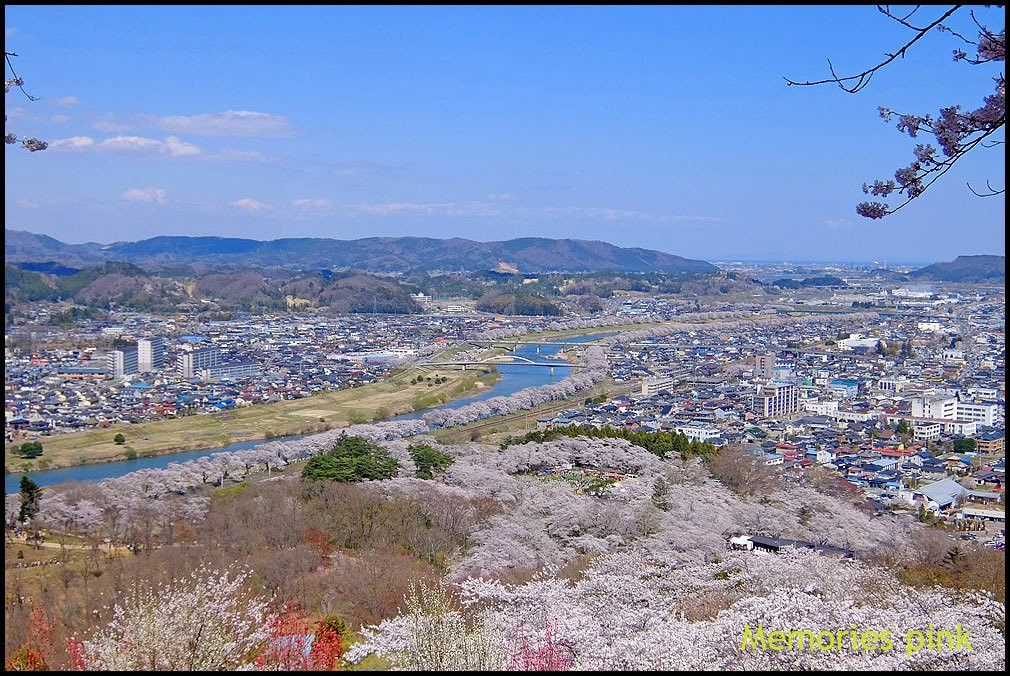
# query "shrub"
(30, 449)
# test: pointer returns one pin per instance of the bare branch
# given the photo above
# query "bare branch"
(902, 20)
(17, 80)
(863, 79)
(992, 192)
(956, 133)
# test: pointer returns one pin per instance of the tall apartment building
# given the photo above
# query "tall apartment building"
(151, 354)
(123, 362)
(189, 364)
(776, 399)
(763, 365)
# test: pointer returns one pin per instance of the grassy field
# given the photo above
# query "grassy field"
(300, 416)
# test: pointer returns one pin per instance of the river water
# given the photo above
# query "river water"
(514, 378)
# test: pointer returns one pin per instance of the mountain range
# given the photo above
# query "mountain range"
(371, 254)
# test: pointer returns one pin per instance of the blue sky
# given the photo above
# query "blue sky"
(663, 127)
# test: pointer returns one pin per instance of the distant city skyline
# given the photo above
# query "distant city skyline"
(633, 126)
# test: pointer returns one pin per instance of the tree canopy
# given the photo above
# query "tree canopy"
(429, 460)
(351, 459)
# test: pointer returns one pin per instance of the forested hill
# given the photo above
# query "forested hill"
(965, 269)
(372, 254)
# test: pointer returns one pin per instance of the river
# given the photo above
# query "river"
(514, 378)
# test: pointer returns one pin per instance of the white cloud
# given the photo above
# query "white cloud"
(176, 147)
(362, 169)
(9, 31)
(311, 204)
(836, 223)
(72, 143)
(26, 203)
(149, 195)
(232, 155)
(109, 123)
(130, 144)
(142, 146)
(608, 214)
(60, 119)
(65, 101)
(499, 206)
(229, 123)
(399, 208)
(172, 146)
(251, 205)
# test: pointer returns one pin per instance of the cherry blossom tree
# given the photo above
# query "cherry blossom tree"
(634, 610)
(956, 132)
(28, 143)
(206, 621)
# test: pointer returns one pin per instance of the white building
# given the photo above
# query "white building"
(853, 416)
(231, 371)
(964, 428)
(984, 413)
(699, 431)
(913, 291)
(191, 363)
(776, 399)
(936, 407)
(990, 393)
(151, 354)
(857, 340)
(893, 384)
(926, 431)
(122, 362)
(652, 386)
(947, 407)
(821, 407)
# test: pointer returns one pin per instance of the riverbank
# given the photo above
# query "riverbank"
(570, 333)
(488, 430)
(328, 410)
(206, 433)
